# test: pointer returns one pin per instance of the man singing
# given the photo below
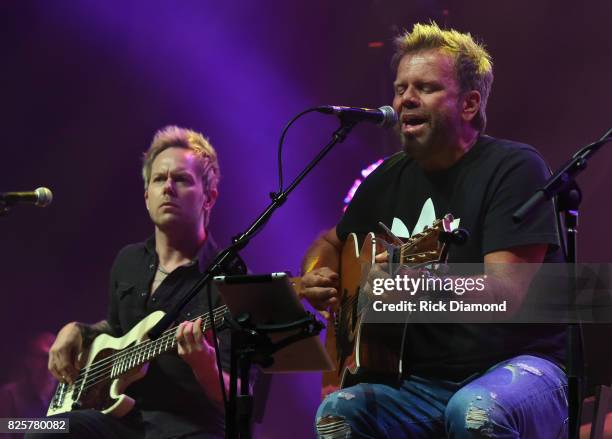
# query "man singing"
(458, 380)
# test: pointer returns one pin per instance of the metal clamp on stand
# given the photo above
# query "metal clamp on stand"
(251, 344)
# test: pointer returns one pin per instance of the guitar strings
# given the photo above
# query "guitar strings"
(100, 370)
(106, 374)
(126, 351)
(104, 368)
(135, 351)
(405, 251)
(103, 373)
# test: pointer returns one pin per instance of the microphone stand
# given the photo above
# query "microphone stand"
(562, 184)
(228, 260)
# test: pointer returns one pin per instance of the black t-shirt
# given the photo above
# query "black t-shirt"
(482, 190)
(169, 398)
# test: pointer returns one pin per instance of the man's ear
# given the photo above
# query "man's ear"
(470, 105)
(211, 199)
(146, 197)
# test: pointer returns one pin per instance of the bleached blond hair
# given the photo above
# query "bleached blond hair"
(473, 64)
(173, 136)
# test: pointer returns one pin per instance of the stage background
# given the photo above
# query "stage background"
(85, 84)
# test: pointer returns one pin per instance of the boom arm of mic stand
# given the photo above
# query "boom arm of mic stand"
(561, 180)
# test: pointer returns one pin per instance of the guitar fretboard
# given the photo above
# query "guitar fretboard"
(139, 354)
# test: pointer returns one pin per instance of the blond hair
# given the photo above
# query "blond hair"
(173, 136)
(473, 64)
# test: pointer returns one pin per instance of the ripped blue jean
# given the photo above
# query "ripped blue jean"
(524, 397)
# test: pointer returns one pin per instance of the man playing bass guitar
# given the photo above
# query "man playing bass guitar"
(180, 395)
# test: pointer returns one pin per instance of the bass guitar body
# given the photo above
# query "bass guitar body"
(107, 372)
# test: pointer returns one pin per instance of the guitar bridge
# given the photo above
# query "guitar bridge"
(59, 396)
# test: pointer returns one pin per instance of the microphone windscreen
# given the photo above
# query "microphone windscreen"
(45, 196)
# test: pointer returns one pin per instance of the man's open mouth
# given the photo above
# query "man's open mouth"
(412, 123)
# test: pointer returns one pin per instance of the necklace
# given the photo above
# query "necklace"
(162, 270)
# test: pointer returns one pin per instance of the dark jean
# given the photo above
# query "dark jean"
(524, 397)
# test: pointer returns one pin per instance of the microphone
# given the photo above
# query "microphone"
(384, 116)
(40, 197)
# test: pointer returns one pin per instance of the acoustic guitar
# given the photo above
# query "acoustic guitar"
(370, 352)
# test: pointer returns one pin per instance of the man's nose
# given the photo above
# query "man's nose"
(169, 185)
(410, 98)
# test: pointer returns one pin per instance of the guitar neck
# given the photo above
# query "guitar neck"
(145, 351)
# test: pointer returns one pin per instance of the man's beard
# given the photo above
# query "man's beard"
(411, 146)
(417, 147)
(438, 134)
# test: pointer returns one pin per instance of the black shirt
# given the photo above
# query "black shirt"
(169, 398)
(482, 190)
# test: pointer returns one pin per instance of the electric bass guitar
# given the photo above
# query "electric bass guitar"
(112, 364)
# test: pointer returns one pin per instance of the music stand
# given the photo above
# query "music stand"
(271, 328)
